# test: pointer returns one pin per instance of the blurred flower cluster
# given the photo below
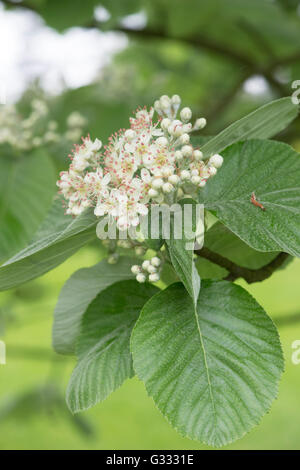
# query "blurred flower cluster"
(36, 129)
(152, 162)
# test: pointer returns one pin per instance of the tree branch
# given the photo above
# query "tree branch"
(236, 271)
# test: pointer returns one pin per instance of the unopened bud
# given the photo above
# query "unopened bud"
(154, 277)
(216, 161)
(198, 155)
(200, 123)
(178, 155)
(151, 269)
(167, 187)
(195, 179)
(165, 123)
(135, 269)
(174, 179)
(141, 278)
(157, 183)
(162, 141)
(185, 114)
(185, 175)
(146, 264)
(155, 261)
(184, 139)
(187, 150)
(176, 99)
(152, 192)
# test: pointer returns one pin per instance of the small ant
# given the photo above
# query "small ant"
(255, 202)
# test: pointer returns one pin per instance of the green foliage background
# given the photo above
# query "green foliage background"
(204, 52)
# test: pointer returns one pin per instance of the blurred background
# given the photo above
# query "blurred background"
(69, 67)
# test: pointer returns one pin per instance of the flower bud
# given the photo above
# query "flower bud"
(155, 261)
(195, 179)
(151, 269)
(198, 155)
(185, 175)
(176, 100)
(174, 179)
(162, 141)
(178, 155)
(187, 150)
(167, 187)
(146, 264)
(175, 129)
(212, 171)
(157, 106)
(202, 184)
(141, 278)
(180, 193)
(165, 123)
(200, 123)
(157, 183)
(184, 139)
(187, 128)
(216, 161)
(152, 192)
(154, 277)
(135, 269)
(185, 114)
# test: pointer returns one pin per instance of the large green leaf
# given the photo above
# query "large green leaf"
(103, 347)
(212, 372)
(182, 254)
(262, 123)
(271, 170)
(27, 186)
(77, 293)
(59, 237)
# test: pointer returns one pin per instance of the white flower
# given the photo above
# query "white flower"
(159, 159)
(97, 183)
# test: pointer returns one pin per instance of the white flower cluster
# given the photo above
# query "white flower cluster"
(36, 130)
(149, 268)
(151, 162)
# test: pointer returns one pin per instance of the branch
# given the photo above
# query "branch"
(287, 320)
(236, 271)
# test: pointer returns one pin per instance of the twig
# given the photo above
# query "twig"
(287, 319)
(236, 271)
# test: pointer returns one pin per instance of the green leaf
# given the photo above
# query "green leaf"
(263, 123)
(59, 237)
(77, 293)
(213, 372)
(103, 347)
(26, 190)
(62, 15)
(182, 256)
(271, 170)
